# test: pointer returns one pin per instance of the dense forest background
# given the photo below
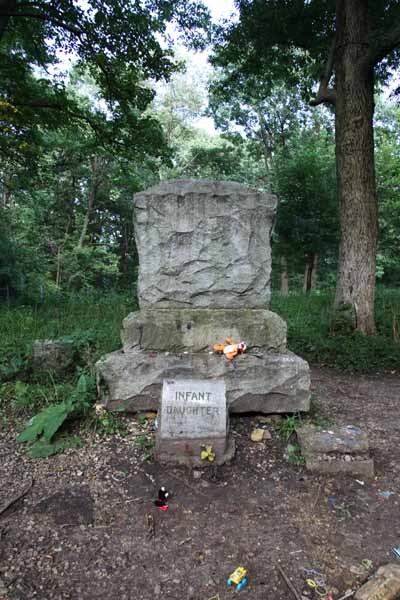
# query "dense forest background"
(80, 137)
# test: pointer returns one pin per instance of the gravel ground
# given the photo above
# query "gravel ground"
(88, 527)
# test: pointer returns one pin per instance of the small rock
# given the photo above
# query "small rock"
(267, 435)
(385, 585)
(257, 435)
(157, 589)
(265, 419)
(196, 474)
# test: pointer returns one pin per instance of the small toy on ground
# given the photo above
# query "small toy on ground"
(162, 500)
(238, 578)
(207, 453)
(230, 349)
(396, 552)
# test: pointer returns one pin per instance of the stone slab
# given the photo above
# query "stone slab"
(385, 585)
(196, 330)
(269, 383)
(338, 449)
(204, 244)
(193, 409)
(52, 355)
(193, 415)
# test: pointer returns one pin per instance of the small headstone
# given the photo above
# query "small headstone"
(385, 585)
(53, 355)
(339, 449)
(193, 416)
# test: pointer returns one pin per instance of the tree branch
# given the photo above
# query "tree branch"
(5, 7)
(388, 42)
(326, 94)
(48, 18)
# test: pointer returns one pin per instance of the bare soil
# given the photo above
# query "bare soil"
(88, 527)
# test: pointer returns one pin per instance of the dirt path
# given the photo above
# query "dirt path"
(88, 528)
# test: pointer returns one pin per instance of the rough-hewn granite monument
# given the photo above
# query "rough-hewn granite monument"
(204, 275)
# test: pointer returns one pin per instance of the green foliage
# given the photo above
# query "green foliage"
(287, 426)
(46, 423)
(42, 448)
(110, 423)
(43, 427)
(121, 44)
(304, 179)
(309, 332)
(294, 454)
(146, 443)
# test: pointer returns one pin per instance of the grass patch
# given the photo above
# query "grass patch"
(92, 323)
(309, 332)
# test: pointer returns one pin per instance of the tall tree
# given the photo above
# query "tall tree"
(345, 44)
(122, 43)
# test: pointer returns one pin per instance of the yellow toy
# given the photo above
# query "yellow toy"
(238, 577)
(230, 349)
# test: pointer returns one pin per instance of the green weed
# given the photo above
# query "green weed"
(294, 454)
(110, 423)
(146, 443)
(287, 426)
(42, 432)
(310, 334)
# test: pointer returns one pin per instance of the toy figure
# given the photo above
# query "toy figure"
(230, 349)
(162, 500)
(238, 577)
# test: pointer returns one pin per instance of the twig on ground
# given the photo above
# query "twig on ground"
(347, 594)
(318, 495)
(185, 541)
(16, 498)
(289, 583)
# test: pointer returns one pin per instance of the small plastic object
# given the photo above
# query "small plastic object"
(396, 552)
(367, 564)
(238, 578)
(352, 429)
(385, 493)
(162, 500)
(318, 589)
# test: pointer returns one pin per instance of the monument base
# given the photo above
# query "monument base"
(187, 452)
(263, 383)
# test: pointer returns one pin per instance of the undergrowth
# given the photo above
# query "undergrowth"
(59, 407)
(309, 332)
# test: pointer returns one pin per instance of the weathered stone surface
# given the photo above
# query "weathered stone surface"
(204, 244)
(196, 330)
(272, 383)
(193, 415)
(385, 585)
(339, 449)
(50, 355)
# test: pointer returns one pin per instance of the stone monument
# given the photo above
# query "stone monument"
(192, 418)
(204, 275)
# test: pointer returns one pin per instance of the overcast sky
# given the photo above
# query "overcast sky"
(220, 8)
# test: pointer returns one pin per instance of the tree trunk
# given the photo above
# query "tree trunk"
(284, 277)
(95, 162)
(309, 272)
(314, 273)
(357, 200)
